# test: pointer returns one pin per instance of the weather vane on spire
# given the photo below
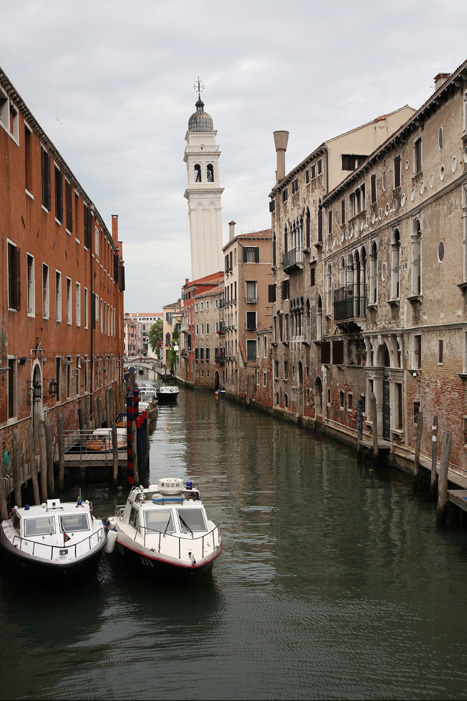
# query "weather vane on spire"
(198, 86)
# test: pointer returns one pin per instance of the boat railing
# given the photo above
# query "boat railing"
(32, 547)
(213, 534)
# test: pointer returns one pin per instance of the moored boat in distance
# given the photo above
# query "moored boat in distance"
(167, 394)
(163, 530)
(55, 543)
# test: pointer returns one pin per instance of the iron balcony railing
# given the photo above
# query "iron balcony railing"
(349, 302)
(293, 257)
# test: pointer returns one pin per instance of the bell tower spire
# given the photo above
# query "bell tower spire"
(203, 192)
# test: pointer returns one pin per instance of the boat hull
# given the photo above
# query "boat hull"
(150, 566)
(167, 397)
(50, 573)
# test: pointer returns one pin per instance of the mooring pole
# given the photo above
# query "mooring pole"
(434, 456)
(418, 445)
(443, 478)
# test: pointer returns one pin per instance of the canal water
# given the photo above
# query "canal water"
(334, 583)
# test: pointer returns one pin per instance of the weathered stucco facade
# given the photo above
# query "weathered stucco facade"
(370, 282)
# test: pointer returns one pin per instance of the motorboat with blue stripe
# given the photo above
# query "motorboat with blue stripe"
(55, 543)
(163, 530)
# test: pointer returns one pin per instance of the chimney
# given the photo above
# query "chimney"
(186, 281)
(231, 230)
(115, 228)
(280, 140)
(440, 79)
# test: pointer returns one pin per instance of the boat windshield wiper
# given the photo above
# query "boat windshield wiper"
(186, 525)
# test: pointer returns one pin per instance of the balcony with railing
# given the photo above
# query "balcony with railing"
(350, 302)
(293, 259)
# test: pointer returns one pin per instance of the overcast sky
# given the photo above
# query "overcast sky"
(111, 83)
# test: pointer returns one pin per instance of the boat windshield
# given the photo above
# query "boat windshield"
(191, 519)
(73, 522)
(45, 525)
(159, 521)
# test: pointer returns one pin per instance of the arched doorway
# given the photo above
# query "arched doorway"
(36, 402)
(383, 391)
(216, 380)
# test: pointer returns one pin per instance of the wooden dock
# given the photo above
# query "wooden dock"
(97, 459)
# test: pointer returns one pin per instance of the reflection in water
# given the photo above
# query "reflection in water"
(334, 582)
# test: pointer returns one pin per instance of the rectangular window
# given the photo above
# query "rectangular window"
(373, 189)
(313, 171)
(320, 166)
(45, 172)
(68, 376)
(207, 329)
(285, 289)
(78, 304)
(341, 400)
(28, 158)
(58, 372)
(312, 276)
(251, 291)
(207, 353)
(14, 281)
(265, 376)
(87, 219)
(251, 321)
(96, 241)
(325, 352)
(307, 176)
(320, 224)
(58, 295)
(416, 412)
(343, 211)
(417, 352)
(69, 302)
(86, 310)
(330, 221)
(58, 195)
(350, 402)
(440, 351)
(45, 291)
(69, 206)
(285, 195)
(338, 352)
(417, 155)
(251, 254)
(397, 172)
(31, 289)
(251, 350)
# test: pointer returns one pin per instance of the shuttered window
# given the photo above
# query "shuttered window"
(251, 254)
(14, 280)
(271, 293)
(325, 352)
(45, 170)
(338, 352)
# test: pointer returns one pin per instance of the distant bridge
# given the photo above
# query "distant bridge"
(146, 368)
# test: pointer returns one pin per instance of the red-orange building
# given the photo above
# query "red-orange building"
(62, 286)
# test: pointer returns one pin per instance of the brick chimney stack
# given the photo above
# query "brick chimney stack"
(440, 79)
(280, 140)
(231, 230)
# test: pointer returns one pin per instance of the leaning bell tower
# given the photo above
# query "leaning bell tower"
(203, 192)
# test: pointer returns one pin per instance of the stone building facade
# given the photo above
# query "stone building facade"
(299, 240)
(209, 340)
(395, 267)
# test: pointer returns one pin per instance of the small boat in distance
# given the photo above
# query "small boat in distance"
(163, 530)
(101, 440)
(167, 394)
(55, 543)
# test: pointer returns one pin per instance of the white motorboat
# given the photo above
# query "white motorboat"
(167, 394)
(55, 542)
(163, 530)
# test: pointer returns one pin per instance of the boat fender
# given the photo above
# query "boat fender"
(111, 540)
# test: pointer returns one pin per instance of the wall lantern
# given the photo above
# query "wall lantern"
(37, 391)
(53, 387)
(22, 361)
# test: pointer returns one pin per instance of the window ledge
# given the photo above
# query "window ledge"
(373, 307)
(415, 299)
(394, 302)
(319, 244)
(462, 375)
(462, 286)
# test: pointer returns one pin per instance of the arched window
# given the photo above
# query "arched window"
(319, 320)
(395, 264)
(307, 229)
(416, 258)
(210, 172)
(329, 289)
(374, 273)
(197, 173)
